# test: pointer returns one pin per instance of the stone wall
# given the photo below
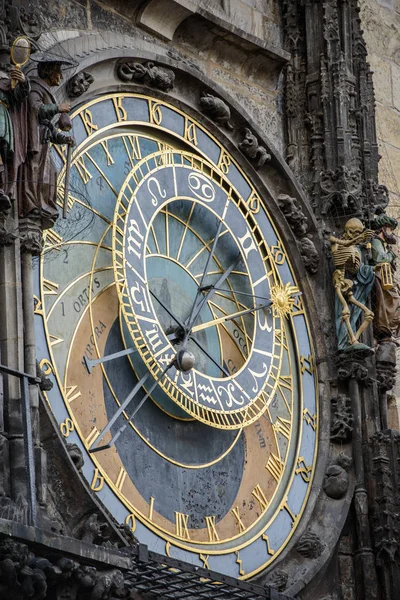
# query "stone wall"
(381, 24)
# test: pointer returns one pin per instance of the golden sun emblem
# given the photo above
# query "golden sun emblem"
(283, 297)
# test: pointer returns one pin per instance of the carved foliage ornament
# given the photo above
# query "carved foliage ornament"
(342, 419)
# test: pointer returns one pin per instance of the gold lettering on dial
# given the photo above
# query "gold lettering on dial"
(87, 119)
(260, 496)
(110, 160)
(224, 162)
(241, 525)
(204, 559)
(119, 109)
(50, 288)
(275, 466)
(54, 340)
(83, 170)
(307, 364)
(181, 525)
(266, 540)
(190, 132)
(134, 151)
(310, 419)
(282, 426)
(303, 469)
(52, 238)
(131, 522)
(66, 427)
(38, 307)
(151, 508)
(120, 479)
(71, 394)
(239, 562)
(253, 203)
(211, 529)
(93, 435)
(155, 114)
(97, 481)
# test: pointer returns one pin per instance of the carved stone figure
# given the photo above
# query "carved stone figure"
(294, 215)
(79, 84)
(76, 455)
(216, 109)
(341, 189)
(278, 580)
(309, 545)
(148, 74)
(353, 283)
(251, 148)
(336, 479)
(12, 131)
(309, 254)
(37, 177)
(387, 293)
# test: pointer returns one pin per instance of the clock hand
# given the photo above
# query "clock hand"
(205, 270)
(199, 306)
(171, 314)
(123, 406)
(218, 289)
(89, 363)
(240, 313)
(196, 341)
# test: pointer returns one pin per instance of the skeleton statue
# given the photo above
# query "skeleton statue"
(353, 281)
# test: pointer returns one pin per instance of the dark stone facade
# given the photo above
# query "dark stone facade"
(310, 92)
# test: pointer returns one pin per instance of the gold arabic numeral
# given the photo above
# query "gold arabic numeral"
(285, 506)
(239, 562)
(278, 253)
(120, 479)
(190, 132)
(155, 114)
(310, 419)
(50, 288)
(224, 162)
(66, 427)
(181, 525)
(52, 239)
(131, 522)
(46, 366)
(204, 559)
(266, 540)
(304, 469)
(260, 497)
(119, 109)
(275, 466)
(38, 306)
(307, 364)
(87, 119)
(211, 529)
(282, 426)
(253, 203)
(54, 340)
(151, 508)
(93, 435)
(97, 481)
(110, 160)
(71, 394)
(83, 170)
(241, 525)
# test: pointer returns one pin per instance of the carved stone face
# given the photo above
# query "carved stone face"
(353, 228)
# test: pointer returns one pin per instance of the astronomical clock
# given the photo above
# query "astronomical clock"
(171, 322)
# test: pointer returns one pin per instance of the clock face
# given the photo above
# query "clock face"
(169, 264)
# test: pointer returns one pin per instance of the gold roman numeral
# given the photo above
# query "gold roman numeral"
(275, 466)
(151, 508)
(181, 525)
(52, 238)
(54, 340)
(82, 170)
(241, 525)
(93, 435)
(282, 426)
(133, 147)
(310, 419)
(211, 528)
(50, 288)
(260, 496)
(71, 394)
(120, 479)
(110, 160)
